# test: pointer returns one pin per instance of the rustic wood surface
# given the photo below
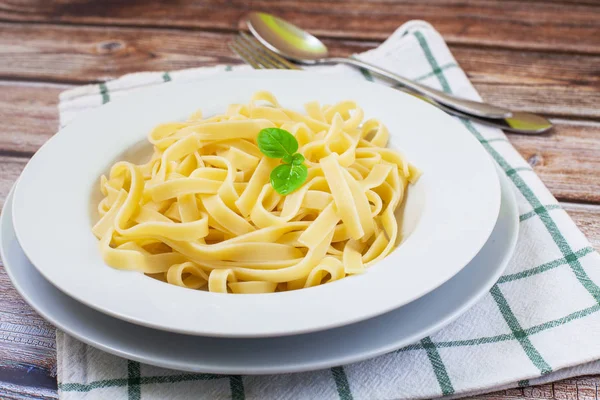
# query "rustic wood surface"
(539, 56)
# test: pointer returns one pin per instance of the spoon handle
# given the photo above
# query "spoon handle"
(520, 122)
(466, 106)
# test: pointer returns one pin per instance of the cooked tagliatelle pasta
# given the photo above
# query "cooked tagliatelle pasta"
(202, 212)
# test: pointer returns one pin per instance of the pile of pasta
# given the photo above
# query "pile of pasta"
(201, 213)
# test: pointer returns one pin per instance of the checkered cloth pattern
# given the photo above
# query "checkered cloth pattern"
(540, 322)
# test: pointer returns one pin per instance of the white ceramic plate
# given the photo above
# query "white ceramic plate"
(53, 211)
(306, 352)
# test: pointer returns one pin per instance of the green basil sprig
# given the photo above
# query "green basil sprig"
(279, 143)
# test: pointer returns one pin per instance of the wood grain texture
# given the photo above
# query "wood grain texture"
(567, 161)
(515, 24)
(86, 54)
(10, 169)
(16, 392)
(27, 347)
(545, 83)
(30, 115)
(581, 388)
(552, 84)
(587, 218)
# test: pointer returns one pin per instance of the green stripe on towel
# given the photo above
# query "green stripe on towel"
(134, 391)
(104, 93)
(439, 369)
(341, 383)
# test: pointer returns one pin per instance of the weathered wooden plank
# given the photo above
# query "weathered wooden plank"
(580, 388)
(26, 340)
(588, 386)
(587, 218)
(15, 392)
(555, 84)
(565, 390)
(515, 24)
(546, 99)
(86, 54)
(28, 377)
(10, 169)
(27, 348)
(550, 84)
(567, 160)
(539, 392)
(29, 115)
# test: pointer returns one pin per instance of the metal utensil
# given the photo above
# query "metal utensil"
(259, 57)
(519, 122)
(300, 46)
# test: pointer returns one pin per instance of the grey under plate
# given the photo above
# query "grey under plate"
(312, 351)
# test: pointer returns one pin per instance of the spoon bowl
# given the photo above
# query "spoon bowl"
(286, 39)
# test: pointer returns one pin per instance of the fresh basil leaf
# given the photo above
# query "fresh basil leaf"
(287, 159)
(276, 142)
(286, 178)
(297, 159)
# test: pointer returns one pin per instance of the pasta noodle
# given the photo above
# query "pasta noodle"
(201, 213)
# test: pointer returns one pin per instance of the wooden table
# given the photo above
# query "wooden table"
(539, 56)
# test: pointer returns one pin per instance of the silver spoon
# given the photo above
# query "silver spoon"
(300, 46)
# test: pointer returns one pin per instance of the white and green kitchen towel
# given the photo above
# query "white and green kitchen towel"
(539, 323)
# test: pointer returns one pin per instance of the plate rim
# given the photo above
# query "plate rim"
(219, 331)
